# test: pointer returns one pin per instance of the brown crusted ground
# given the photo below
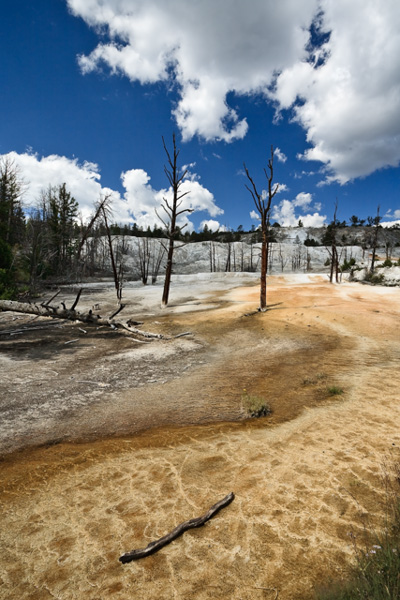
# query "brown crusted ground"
(303, 478)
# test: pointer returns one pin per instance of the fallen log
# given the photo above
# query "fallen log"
(71, 314)
(178, 531)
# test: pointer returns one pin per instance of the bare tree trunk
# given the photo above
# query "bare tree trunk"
(168, 272)
(172, 211)
(212, 257)
(228, 258)
(102, 204)
(117, 275)
(263, 205)
(263, 275)
(157, 260)
(375, 240)
(144, 259)
(57, 312)
(333, 253)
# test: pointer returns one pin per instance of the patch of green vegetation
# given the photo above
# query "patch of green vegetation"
(386, 263)
(374, 278)
(335, 390)
(348, 264)
(255, 406)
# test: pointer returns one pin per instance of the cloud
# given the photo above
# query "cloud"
(143, 199)
(84, 182)
(285, 214)
(303, 200)
(313, 220)
(82, 179)
(390, 223)
(282, 187)
(255, 215)
(303, 173)
(349, 90)
(280, 155)
(190, 174)
(335, 64)
(394, 217)
(202, 48)
(212, 225)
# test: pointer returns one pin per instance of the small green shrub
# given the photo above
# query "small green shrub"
(387, 263)
(346, 266)
(8, 287)
(255, 406)
(374, 278)
(335, 390)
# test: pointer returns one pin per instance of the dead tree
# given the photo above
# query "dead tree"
(172, 210)
(99, 208)
(241, 254)
(283, 258)
(228, 257)
(263, 203)
(117, 272)
(143, 259)
(212, 257)
(376, 222)
(331, 246)
(157, 260)
(45, 309)
(307, 264)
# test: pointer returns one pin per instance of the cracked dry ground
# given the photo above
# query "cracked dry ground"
(303, 477)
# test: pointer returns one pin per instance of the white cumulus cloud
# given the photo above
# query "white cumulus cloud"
(303, 200)
(280, 155)
(84, 182)
(212, 225)
(82, 179)
(206, 48)
(350, 93)
(344, 90)
(285, 212)
(143, 199)
(282, 187)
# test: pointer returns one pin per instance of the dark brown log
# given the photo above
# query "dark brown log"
(178, 531)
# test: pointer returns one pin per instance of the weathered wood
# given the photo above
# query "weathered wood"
(61, 312)
(76, 300)
(178, 531)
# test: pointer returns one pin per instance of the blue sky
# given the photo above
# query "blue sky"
(90, 86)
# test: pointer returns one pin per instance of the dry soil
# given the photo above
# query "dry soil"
(108, 443)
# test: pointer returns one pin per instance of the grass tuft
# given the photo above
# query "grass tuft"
(335, 390)
(255, 406)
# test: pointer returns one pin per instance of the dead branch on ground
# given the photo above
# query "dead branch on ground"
(71, 314)
(177, 532)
